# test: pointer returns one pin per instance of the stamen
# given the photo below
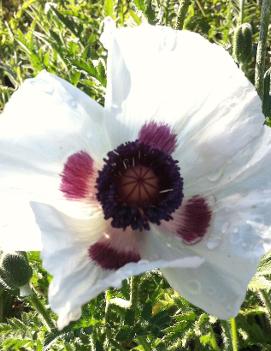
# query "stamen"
(139, 184)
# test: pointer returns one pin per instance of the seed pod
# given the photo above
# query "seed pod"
(15, 270)
(242, 43)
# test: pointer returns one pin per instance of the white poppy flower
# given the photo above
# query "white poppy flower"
(172, 173)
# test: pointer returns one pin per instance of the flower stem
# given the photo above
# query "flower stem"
(134, 291)
(241, 13)
(1, 305)
(261, 49)
(106, 317)
(213, 340)
(183, 8)
(234, 336)
(39, 307)
(226, 335)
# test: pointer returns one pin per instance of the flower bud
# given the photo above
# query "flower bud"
(242, 43)
(15, 270)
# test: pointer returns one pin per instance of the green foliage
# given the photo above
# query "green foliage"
(63, 37)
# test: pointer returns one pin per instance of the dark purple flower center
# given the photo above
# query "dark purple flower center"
(139, 184)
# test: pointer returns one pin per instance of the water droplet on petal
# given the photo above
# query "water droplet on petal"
(229, 309)
(169, 41)
(236, 236)
(214, 177)
(259, 219)
(42, 85)
(212, 244)
(244, 245)
(211, 200)
(194, 286)
(73, 103)
(225, 227)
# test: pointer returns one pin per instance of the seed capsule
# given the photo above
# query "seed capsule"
(242, 43)
(15, 270)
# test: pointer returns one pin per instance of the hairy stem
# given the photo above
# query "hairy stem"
(106, 315)
(134, 281)
(261, 49)
(183, 8)
(241, 13)
(1, 305)
(226, 335)
(43, 312)
(234, 336)
(214, 343)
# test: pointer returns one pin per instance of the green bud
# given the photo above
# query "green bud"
(15, 270)
(242, 43)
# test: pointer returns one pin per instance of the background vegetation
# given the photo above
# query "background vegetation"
(63, 37)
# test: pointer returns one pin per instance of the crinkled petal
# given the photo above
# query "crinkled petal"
(46, 120)
(76, 277)
(238, 236)
(216, 292)
(155, 74)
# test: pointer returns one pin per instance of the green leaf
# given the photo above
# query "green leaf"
(109, 8)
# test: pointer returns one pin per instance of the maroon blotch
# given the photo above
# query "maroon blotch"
(109, 258)
(159, 136)
(75, 178)
(196, 219)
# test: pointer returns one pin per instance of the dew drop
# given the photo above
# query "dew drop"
(225, 227)
(214, 177)
(236, 237)
(212, 244)
(259, 220)
(211, 199)
(194, 286)
(73, 103)
(229, 308)
(169, 41)
(244, 245)
(43, 86)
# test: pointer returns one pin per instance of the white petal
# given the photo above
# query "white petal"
(45, 121)
(76, 279)
(214, 291)
(179, 78)
(239, 235)
(18, 229)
